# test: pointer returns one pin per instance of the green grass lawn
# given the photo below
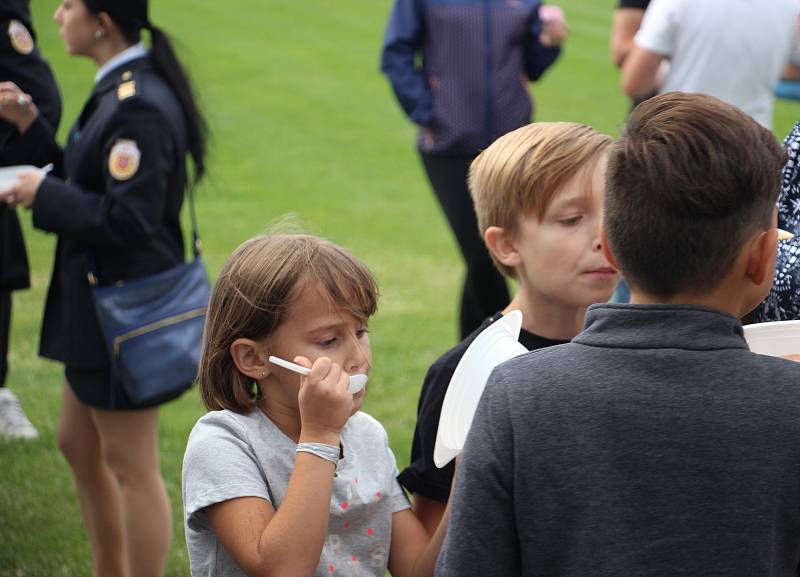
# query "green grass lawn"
(303, 124)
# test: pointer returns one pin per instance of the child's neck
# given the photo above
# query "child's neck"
(285, 417)
(730, 296)
(728, 305)
(546, 317)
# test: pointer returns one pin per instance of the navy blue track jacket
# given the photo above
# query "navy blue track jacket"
(477, 57)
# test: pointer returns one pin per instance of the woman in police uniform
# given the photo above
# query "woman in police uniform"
(21, 63)
(125, 174)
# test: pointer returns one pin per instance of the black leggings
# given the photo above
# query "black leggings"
(485, 291)
(5, 330)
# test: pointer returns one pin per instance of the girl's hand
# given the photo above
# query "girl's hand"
(24, 191)
(325, 403)
(17, 107)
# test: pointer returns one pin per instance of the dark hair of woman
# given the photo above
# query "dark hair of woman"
(130, 17)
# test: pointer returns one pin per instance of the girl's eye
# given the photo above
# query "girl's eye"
(328, 342)
(572, 221)
(361, 333)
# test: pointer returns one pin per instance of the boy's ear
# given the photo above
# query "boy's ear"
(606, 250)
(248, 359)
(501, 245)
(761, 260)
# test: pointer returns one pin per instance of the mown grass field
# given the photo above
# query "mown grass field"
(303, 124)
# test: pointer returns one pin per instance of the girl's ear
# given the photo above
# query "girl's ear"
(248, 359)
(501, 245)
(106, 24)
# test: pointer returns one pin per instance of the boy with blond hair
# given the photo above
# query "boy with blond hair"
(655, 443)
(538, 195)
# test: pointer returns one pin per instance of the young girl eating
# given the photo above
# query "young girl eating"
(285, 476)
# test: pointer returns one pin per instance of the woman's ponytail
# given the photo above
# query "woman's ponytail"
(168, 66)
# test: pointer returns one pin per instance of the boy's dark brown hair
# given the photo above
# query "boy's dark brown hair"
(252, 294)
(688, 182)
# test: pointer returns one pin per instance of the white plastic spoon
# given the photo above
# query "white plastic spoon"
(357, 381)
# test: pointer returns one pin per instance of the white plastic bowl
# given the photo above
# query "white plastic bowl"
(8, 175)
(777, 339)
(496, 344)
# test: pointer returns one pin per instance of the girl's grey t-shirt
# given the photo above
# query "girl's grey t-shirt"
(231, 455)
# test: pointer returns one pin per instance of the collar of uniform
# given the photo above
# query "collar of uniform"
(131, 53)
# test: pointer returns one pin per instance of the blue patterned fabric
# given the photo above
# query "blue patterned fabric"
(783, 301)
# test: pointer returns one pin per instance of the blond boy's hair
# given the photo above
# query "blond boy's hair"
(522, 171)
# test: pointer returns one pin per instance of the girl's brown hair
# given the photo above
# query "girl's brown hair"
(253, 292)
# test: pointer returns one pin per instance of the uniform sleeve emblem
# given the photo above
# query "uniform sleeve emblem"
(21, 39)
(123, 160)
(126, 89)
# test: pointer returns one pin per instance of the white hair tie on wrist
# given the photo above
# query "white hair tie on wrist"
(323, 451)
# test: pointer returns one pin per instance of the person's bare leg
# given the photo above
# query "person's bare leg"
(98, 491)
(130, 448)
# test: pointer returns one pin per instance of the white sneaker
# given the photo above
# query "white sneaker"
(13, 422)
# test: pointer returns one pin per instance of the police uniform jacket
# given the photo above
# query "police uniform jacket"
(21, 63)
(125, 169)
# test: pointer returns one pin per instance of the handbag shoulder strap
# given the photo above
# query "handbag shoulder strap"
(197, 244)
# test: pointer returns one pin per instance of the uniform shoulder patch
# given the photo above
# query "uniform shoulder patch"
(126, 90)
(123, 160)
(21, 39)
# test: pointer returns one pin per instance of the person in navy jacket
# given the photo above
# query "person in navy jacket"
(116, 200)
(477, 57)
(21, 63)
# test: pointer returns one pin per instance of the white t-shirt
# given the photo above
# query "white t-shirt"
(732, 49)
(230, 455)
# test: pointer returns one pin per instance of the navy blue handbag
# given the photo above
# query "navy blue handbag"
(153, 329)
